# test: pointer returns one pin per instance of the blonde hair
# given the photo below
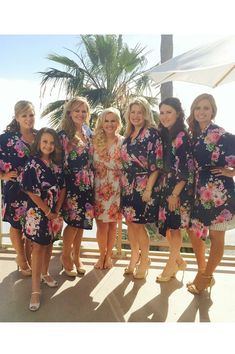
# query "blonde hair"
(192, 123)
(20, 108)
(148, 115)
(67, 123)
(100, 138)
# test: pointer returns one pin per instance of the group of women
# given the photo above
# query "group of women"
(173, 176)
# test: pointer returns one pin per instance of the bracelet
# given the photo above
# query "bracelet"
(48, 213)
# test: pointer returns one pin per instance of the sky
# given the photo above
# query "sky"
(23, 57)
(40, 28)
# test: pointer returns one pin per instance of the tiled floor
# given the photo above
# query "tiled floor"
(108, 296)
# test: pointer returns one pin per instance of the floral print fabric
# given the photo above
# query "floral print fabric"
(181, 169)
(107, 182)
(78, 207)
(215, 195)
(45, 182)
(140, 158)
(14, 153)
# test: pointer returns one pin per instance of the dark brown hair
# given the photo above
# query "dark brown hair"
(56, 155)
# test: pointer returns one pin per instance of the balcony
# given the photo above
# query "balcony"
(108, 296)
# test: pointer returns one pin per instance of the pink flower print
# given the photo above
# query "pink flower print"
(113, 211)
(199, 229)
(225, 215)
(21, 153)
(149, 146)
(99, 209)
(162, 214)
(206, 194)
(56, 225)
(214, 136)
(124, 155)
(105, 192)
(100, 170)
(215, 155)
(129, 214)
(7, 167)
(230, 160)
(179, 140)
(159, 151)
(219, 201)
(85, 178)
(141, 182)
(144, 134)
(77, 179)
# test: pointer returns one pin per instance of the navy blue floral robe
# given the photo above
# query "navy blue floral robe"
(181, 168)
(139, 159)
(215, 195)
(78, 207)
(14, 153)
(46, 182)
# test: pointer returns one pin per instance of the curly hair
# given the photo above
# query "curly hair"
(100, 138)
(148, 115)
(67, 123)
(56, 155)
(194, 128)
(20, 107)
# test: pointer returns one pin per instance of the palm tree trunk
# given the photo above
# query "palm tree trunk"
(166, 51)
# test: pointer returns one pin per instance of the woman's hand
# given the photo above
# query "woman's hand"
(147, 195)
(223, 171)
(9, 176)
(173, 202)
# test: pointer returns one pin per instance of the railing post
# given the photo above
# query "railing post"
(119, 253)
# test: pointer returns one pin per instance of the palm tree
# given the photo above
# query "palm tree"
(104, 70)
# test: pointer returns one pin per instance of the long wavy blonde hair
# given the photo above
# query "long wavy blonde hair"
(194, 128)
(148, 115)
(100, 138)
(67, 123)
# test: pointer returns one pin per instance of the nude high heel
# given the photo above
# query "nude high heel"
(130, 270)
(70, 273)
(26, 272)
(142, 273)
(49, 281)
(163, 279)
(195, 291)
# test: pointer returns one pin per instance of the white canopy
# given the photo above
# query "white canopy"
(211, 65)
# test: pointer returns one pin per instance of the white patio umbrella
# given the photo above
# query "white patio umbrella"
(210, 65)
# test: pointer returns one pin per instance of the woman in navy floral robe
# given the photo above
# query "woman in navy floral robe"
(141, 156)
(78, 207)
(214, 204)
(176, 183)
(43, 181)
(14, 152)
